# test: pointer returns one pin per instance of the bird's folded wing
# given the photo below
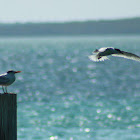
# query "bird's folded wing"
(4, 80)
(127, 55)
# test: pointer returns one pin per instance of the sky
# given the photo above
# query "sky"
(66, 10)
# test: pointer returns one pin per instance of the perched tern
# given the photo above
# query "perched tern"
(102, 53)
(7, 79)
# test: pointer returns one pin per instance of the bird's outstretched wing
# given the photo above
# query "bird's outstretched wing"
(95, 58)
(127, 55)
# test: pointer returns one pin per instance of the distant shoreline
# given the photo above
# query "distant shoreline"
(102, 27)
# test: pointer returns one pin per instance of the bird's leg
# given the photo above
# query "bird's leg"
(3, 89)
(6, 90)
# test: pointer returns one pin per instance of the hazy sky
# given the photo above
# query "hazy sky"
(66, 10)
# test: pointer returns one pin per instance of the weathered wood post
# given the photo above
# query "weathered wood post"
(8, 117)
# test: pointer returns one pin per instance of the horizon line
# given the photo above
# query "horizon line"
(69, 21)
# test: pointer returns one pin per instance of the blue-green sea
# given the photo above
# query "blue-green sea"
(62, 95)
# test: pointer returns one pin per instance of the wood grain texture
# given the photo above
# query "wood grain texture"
(8, 117)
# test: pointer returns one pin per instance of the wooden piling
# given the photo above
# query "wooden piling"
(8, 117)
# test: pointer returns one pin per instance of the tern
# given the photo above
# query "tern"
(102, 53)
(7, 79)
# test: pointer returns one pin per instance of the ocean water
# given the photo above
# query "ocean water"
(62, 95)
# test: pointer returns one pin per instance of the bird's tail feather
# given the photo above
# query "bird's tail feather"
(96, 59)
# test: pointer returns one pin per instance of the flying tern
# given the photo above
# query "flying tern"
(102, 53)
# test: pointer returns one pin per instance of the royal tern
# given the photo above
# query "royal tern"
(7, 79)
(102, 53)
